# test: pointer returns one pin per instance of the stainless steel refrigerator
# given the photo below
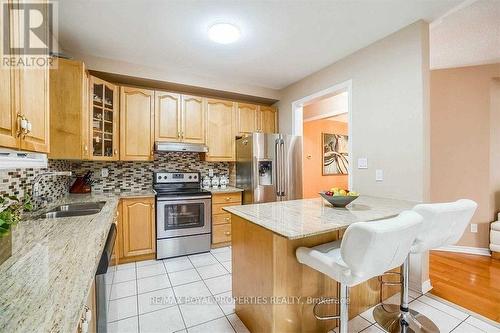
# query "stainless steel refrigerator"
(269, 167)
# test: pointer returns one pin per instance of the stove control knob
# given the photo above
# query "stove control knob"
(159, 177)
(190, 177)
(195, 177)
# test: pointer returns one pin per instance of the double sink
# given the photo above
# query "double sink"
(74, 209)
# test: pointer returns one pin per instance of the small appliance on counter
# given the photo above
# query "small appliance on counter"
(82, 184)
(206, 182)
(224, 181)
(215, 182)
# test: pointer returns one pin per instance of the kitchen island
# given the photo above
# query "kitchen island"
(273, 291)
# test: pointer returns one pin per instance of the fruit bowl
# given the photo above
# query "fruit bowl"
(338, 200)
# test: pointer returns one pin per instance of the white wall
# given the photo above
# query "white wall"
(390, 110)
(330, 106)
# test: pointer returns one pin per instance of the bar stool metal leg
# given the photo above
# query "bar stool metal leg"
(343, 315)
(405, 320)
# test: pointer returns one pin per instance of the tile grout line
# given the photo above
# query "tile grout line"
(462, 323)
(175, 296)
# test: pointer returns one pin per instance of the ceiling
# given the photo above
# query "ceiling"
(470, 35)
(282, 41)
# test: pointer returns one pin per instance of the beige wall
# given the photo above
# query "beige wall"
(389, 111)
(336, 104)
(314, 180)
(465, 142)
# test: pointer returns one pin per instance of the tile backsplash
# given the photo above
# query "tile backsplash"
(133, 176)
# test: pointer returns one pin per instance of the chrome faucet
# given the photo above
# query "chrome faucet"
(34, 187)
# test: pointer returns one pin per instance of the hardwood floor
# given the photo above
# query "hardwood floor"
(470, 281)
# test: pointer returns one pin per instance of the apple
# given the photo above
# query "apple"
(329, 193)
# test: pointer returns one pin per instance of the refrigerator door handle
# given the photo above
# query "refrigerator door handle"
(283, 168)
(277, 166)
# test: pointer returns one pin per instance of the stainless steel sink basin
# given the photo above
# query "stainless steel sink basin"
(74, 209)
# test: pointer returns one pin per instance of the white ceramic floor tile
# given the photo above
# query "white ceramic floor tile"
(444, 307)
(182, 277)
(148, 262)
(368, 315)
(122, 308)
(195, 289)
(237, 324)
(151, 283)
(219, 284)
(224, 256)
(373, 329)
(177, 264)
(202, 259)
(443, 321)
(226, 302)
(129, 325)
(129, 265)
(123, 289)
(210, 271)
(228, 265)
(482, 325)
(162, 321)
(356, 324)
(156, 300)
(220, 325)
(413, 294)
(195, 314)
(467, 328)
(225, 249)
(124, 275)
(150, 270)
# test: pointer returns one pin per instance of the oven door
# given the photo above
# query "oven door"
(183, 216)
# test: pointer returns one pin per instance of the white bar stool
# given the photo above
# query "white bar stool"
(367, 249)
(443, 224)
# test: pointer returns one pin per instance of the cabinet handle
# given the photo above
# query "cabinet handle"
(115, 152)
(227, 218)
(22, 125)
(178, 134)
(227, 233)
(85, 147)
(228, 198)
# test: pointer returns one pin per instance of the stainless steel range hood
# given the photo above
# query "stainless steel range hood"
(181, 147)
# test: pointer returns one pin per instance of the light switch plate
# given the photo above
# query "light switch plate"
(473, 228)
(379, 175)
(362, 163)
(104, 172)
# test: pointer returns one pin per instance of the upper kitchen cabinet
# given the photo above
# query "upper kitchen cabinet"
(8, 121)
(246, 118)
(220, 130)
(104, 120)
(69, 128)
(179, 118)
(136, 124)
(267, 119)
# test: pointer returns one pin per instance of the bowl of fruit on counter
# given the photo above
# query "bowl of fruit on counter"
(339, 197)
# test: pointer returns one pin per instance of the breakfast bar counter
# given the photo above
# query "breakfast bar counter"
(274, 292)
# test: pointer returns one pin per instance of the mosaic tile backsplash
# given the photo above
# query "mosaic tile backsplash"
(133, 176)
(18, 181)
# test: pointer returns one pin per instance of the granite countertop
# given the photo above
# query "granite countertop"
(46, 281)
(228, 189)
(307, 217)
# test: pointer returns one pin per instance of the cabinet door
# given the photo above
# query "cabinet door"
(220, 130)
(268, 120)
(193, 119)
(246, 118)
(136, 124)
(8, 121)
(167, 116)
(138, 232)
(103, 116)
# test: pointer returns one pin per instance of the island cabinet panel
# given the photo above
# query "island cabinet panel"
(138, 239)
(281, 276)
(136, 124)
(167, 116)
(221, 220)
(220, 130)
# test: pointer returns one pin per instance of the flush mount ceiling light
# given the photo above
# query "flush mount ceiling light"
(224, 33)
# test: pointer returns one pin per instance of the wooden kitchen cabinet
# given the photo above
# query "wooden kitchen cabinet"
(136, 232)
(267, 119)
(8, 121)
(179, 118)
(221, 220)
(247, 118)
(220, 130)
(136, 124)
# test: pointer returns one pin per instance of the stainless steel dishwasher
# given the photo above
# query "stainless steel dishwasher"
(101, 288)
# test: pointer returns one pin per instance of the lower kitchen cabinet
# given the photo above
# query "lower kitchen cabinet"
(221, 220)
(136, 232)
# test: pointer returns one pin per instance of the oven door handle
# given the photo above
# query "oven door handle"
(183, 198)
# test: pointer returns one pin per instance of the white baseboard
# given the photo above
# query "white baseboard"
(482, 251)
(423, 288)
(426, 286)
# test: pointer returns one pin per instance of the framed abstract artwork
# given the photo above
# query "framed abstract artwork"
(335, 154)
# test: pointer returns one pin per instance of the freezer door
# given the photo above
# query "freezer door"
(265, 167)
(292, 171)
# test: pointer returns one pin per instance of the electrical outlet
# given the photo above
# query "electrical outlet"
(473, 228)
(362, 163)
(104, 172)
(379, 175)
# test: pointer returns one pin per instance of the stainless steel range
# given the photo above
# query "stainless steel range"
(183, 213)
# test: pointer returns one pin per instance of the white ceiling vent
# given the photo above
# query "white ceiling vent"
(11, 159)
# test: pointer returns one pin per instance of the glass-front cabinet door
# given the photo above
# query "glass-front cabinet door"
(103, 120)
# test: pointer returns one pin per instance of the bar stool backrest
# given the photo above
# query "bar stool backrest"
(443, 223)
(371, 248)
